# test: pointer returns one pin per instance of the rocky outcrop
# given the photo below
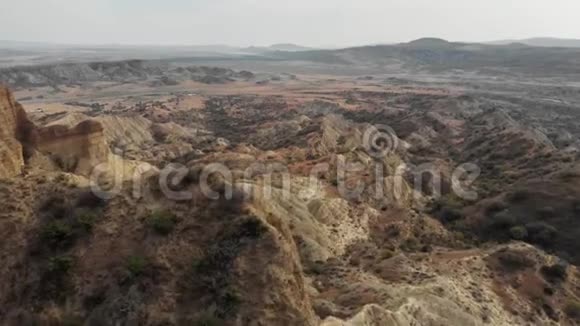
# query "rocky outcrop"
(14, 127)
(76, 149)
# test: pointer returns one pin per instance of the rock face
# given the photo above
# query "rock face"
(14, 127)
(77, 149)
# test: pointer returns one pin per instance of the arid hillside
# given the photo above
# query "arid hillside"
(281, 199)
(156, 73)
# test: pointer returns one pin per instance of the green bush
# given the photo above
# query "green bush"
(411, 245)
(541, 233)
(60, 264)
(459, 236)
(230, 300)
(546, 212)
(572, 309)
(494, 208)
(86, 221)
(557, 272)
(90, 199)
(316, 268)
(207, 318)
(515, 260)
(503, 220)
(72, 320)
(518, 196)
(162, 222)
(55, 281)
(251, 227)
(519, 232)
(448, 208)
(387, 254)
(450, 201)
(450, 214)
(136, 266)
(576, 206)
(55, 206)
(58, 233)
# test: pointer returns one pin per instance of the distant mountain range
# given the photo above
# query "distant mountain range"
(538, 56)
(279, 47)
(438, 55)
(543, 42)
(31, 53)
(216, 48)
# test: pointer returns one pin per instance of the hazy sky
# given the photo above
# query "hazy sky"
(262, 22)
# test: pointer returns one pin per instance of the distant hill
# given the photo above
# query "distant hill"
(543, 42)
(285, 47)
(437, 55)
(289, 47)
(429, 42)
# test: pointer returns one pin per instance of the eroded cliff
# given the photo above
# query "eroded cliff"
(77, 149)
(13, 127)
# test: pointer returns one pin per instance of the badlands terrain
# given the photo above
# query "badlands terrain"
(105, 217)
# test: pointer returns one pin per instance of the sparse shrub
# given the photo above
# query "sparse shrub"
(54, 282)
(393, 231)
(541, 233)
(55, 206)
(71, 320)
(252, 227)
(519, 232)
(546, 212)
(90, 199)
(208, 318)
(550, 311)
(489, 187)
(197, 265)
(572, 309)
(518, 196)
(576, 206)
(60, 264)
(426, 248)
(494, 208)
(57, 233)
(557, 272)
(567, 159)
(229, 302)
(448, 208)
(459, 236)
(450, 214)
(450, 201)
(87, 221)
(387, 254)
(316, 268)
(212, 273)
(503, 220)
(411, 245)
(515, 259)
(136, 266)
(162, 222)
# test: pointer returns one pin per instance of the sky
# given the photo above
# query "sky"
(318, 23)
